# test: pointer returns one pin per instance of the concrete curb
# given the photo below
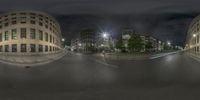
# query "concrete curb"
(38, 63)
(143, 57)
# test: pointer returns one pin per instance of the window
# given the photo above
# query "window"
(32, 14)
(14, 18)
(32, 22)
(23, 20)
(40, 15)
(6, 48)
(23, 33)
(46, 37)
(50, 38)
(32, 46)
(23, 47)
(1, 48)
(46, 21)
(1, 37)
(6, 35)
(197, 38)
(6, 19)
(40, 35)
(6, 24)
(40, 23)
(22, 13)
(32, 34)
(46, 48)
(14, 47)
(13, 14)
(46, 26)
(50, 48)
(32, 17)
(40, 48)
(40, 19)
(14, 22)
(14, 34)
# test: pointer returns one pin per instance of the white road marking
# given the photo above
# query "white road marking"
(104, 63)
(162, 55)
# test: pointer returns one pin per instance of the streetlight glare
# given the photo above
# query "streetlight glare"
(168, 42)
(63, 39)
(105, 35)
(194, 35)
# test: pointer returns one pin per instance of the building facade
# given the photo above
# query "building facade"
(193, 36)
(157, 45)
(29, 32)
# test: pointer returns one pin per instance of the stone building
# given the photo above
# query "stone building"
(29, 32)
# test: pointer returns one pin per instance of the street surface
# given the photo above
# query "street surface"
(89, 77)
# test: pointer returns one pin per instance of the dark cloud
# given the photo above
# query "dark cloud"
(164, 19)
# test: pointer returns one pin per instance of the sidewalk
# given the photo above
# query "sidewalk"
(31, 60)
(194, 56)
(135, 57)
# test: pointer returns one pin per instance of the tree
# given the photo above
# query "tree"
(119, 44)
(135, 43)
(148, 46)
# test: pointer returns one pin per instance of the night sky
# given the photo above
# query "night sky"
(163, 19)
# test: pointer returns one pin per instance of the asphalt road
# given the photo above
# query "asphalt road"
(90, 77)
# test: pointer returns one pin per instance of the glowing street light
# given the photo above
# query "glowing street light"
(105, 35)
(63, 39)
(194, 35)
(168, 43)
(79, 44)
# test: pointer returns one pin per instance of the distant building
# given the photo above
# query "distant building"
(85, 41)
(106, 43)
(89, 41)
(157, 45)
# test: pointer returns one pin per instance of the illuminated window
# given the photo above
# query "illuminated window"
(14, 34)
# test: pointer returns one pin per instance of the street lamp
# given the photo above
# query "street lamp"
(105, 35)
(79, 44)
(168, 43)
(194, 35)
(63, 39)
